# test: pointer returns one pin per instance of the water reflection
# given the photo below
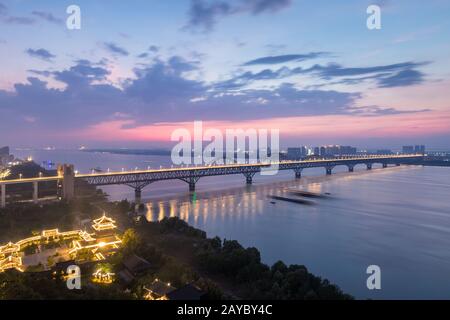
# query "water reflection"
(238, 203)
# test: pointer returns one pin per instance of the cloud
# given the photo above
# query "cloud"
(47, 16)
(284, 58)
(392, 75)
(115, 49)
(40, 54)
(402, 78)
(153, 49)
(161, 91)
(370, 111)
(6, 18)
(204, 14)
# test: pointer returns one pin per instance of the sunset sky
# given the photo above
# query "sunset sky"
(137, 70)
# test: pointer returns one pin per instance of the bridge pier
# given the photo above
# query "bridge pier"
(298, 173)
(35, 191)
(397, 164)
(351, 168)
(329, 170)
(191, 181)
(385, 165)
(137, 196)
(3, 196)
(369, 166)
(249, 177)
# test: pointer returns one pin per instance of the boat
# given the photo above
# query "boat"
(308, 194)
(299, 201)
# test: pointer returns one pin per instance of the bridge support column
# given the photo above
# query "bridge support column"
(369, 166)
(329, 170)
(249, 177)
(298, 173)
(397, 164)
(35, 191)
(385, 165)
(137, 196)
(351, 168)
(3, 196)
(191, 182)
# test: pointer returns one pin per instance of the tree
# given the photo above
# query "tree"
(131, 241)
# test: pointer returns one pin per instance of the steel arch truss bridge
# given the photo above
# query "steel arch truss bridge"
(139, 179)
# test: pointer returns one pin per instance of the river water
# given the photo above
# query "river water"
(397, 218)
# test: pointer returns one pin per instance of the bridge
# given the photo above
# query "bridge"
(139, 179)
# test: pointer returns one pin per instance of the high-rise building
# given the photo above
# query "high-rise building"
(296, 153)
(384, 151)
(5, 157)
(419, 149)
(335, 150)
(408, 149)
(4, 151)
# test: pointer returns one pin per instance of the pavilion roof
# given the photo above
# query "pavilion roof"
(104, 223)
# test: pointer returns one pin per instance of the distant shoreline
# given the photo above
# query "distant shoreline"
(139, 152)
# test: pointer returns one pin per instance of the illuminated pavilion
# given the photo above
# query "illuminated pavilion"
(102, 242)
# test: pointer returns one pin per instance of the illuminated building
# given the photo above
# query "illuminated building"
(158, 290)
(103, 276)
(101, 243)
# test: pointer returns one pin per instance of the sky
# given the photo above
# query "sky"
(138, 70)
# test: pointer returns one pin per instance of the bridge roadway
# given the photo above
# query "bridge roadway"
(138, 179)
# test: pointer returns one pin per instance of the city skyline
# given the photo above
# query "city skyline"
(133, 74)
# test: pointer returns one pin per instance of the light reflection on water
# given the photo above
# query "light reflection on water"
(397, 218)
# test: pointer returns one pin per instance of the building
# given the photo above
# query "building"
(420, 149)
(102, 242)
(383, 151)
(334, 150)
(5, 157)
(133, 266)
(317, 151)
(408, 149)
(187, 292)
(296, 153)
(158, 290)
